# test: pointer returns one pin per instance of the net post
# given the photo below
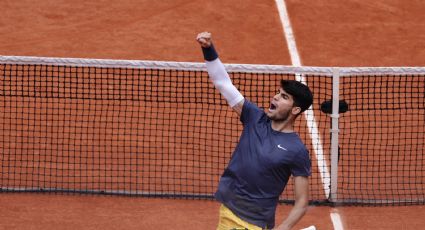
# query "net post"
(334, 135)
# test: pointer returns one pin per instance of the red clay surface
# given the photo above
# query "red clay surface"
(359, 33)
(328, 33)
(246, 31)
(40, 211)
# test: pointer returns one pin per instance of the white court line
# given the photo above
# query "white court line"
(289, 34)
(336, 221)
(309, 114)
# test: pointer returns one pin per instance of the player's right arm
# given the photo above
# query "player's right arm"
(218, 74)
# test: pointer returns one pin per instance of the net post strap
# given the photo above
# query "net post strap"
(334, 135)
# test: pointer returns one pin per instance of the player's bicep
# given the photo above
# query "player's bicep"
(301, 188)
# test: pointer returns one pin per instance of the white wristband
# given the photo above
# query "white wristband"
(221, 80)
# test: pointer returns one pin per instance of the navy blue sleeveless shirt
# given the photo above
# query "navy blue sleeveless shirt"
(260, 167)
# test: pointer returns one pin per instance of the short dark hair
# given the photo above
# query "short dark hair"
(302, 95)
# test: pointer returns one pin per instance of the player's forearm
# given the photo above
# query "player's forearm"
(297, 212)
(220, 78)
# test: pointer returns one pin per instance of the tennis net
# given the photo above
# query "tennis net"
(160, 129)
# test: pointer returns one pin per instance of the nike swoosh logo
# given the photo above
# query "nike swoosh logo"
(282, 147)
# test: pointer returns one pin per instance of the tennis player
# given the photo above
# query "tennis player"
(268, 153)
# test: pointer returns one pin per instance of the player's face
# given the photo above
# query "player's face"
(281, 106)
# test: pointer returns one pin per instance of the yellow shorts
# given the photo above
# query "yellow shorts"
(229, 221)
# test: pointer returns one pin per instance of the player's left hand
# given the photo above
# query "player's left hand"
(204, 39)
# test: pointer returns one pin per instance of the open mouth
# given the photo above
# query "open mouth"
(272, 107)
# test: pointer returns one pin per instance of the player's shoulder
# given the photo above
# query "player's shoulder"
(250, 111)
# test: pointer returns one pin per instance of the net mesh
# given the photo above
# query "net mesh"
(161, 129)
(382, 139)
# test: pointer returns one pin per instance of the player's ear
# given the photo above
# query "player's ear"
(296, 110)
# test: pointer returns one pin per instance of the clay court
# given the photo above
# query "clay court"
(384, 33)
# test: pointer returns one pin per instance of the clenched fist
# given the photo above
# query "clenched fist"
(204, 39)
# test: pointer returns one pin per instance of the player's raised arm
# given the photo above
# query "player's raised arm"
(218, 75)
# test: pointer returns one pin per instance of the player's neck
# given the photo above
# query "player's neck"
(284, 126)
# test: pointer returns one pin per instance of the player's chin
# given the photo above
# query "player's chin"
(271, 113)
